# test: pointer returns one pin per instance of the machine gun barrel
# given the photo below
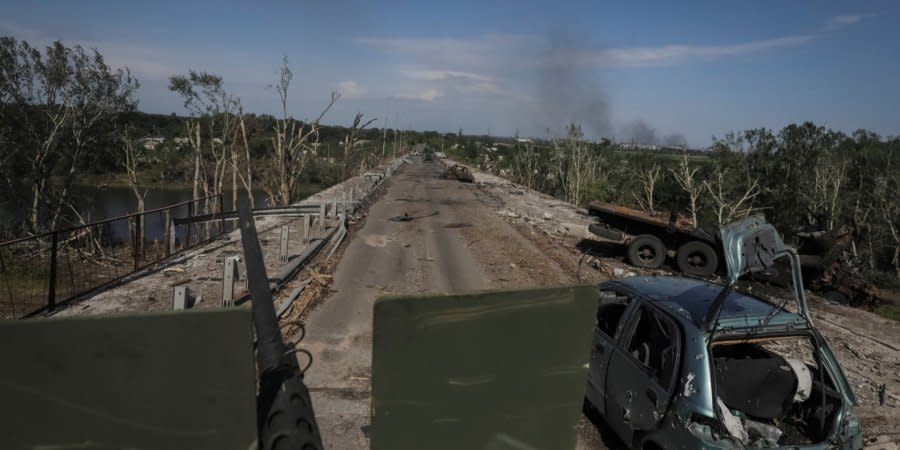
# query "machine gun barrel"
(285, 418)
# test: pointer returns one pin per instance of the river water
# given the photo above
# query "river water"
(97, 203)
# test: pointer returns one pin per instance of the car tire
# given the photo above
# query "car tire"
(697, 258)
(836, 297)
(646, 251)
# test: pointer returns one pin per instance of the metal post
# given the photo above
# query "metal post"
(307, 219)
(138, 241)
(229, 276)
(334, 208)
(322, 216)
(169, 233)
(51, 292)
(181, 298)
(222, 212)
(285, 231)
(190, 224)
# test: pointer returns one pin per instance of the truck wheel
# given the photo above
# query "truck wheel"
(837, 297)
(646, 251)
(697, 258)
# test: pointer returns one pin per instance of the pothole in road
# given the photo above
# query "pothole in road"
(407, 217)
(458, 225)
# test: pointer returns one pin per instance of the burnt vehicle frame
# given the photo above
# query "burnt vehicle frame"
(674, 391)
(651, 238)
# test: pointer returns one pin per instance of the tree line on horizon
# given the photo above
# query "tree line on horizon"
(802, 177)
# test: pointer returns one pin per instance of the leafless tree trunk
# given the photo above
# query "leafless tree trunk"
(575, 167)
(132, 157)
(828, 179)
(291, 144)
(526, 164)
(730, 206)
(350, 140)
(648, 178)
(246, 177)
(685, 176)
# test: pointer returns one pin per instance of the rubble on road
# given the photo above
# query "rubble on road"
(459, 173)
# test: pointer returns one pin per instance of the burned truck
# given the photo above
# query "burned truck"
(831, 263)
(828, 258)
(653, 237)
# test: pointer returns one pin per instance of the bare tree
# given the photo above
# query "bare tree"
(648, 176)
(685, 176)
(213, 117)
(350, 141)
(575, 166)
(828, 178)
(291, 143)
(133, 154)
(526, 165)
(730, 203)
(243, 156)
(884, 199)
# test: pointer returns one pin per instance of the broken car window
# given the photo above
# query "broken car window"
(654, 345)
(609, 313)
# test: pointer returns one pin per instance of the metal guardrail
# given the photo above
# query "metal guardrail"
(40, 272)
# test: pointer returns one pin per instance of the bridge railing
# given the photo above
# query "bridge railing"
(40, 272)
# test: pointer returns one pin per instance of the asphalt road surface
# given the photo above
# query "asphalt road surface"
(424, 235)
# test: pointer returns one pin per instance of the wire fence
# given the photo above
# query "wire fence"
(39, 272)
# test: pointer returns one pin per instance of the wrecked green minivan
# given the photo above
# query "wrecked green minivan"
(685, 363)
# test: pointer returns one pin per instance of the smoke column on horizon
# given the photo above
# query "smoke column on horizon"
(568, 92)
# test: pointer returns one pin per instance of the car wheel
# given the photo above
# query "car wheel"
(697, 258)
(646, 251)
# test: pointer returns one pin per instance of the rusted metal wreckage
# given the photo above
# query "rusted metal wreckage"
(828, 258)
(459, 173)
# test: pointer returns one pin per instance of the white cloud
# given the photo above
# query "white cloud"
(350, 89)
(450, 52)
(670, 54)
(842, 21)
(433, 75)
(470, 58)
(428, 95)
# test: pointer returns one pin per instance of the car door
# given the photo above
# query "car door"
(612, 311)
(641, 374)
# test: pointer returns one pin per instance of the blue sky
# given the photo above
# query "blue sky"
(696, 69)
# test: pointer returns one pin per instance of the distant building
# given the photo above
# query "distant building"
(633, 146)
(150, 143)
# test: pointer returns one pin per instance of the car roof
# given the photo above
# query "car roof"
(691, 298)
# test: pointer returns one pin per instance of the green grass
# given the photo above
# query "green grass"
(890, 311)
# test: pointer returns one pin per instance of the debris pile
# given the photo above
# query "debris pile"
(459, 173)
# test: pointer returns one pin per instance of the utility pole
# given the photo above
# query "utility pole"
(396, 124)
(384, 132)
(384, 136)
